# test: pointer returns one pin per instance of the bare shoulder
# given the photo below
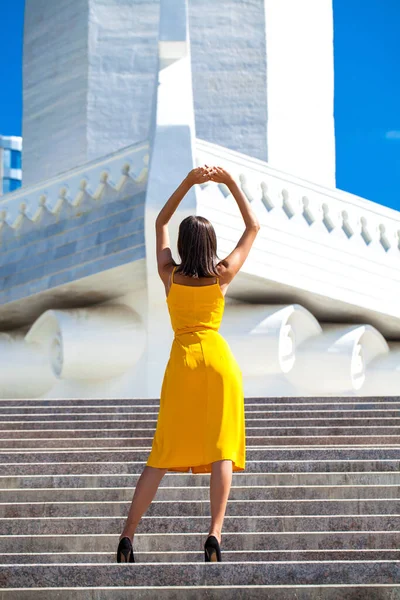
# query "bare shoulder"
(225, 275)
(165, 273)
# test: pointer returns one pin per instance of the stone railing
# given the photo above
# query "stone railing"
(331, 215)
(336, 252)
(73, 192)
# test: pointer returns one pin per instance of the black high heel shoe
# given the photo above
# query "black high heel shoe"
(212, 550)
(125, 551)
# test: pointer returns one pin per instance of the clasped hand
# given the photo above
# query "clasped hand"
(206, 173)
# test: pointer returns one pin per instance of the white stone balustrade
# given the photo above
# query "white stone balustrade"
(331, 215)
(74, 192)
(338, 250)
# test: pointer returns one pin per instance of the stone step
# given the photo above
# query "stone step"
(189, 574)
(364, 591)
(118, 439)
(317, 506)
(134, 454)
(249, 541)
(148, 428)
(179, 492)
(244, 478)
(87, 406)
(252, 466)
(198, 556)
(194, 523)
(273, 400)
(117, 432)
(101, 443)
(149, 421)
(127, 455)
(254, 411)
(80, 464)
(196, 508)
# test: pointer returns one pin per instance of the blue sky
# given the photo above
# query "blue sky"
(367, 92)
(367, 98)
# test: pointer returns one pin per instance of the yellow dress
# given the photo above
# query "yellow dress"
(201, 416)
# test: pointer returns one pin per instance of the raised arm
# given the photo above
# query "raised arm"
(163, 249)
(234, 261)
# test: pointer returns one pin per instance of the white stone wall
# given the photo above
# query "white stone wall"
(229, 67)
(123, 62)
(300, 90)
(55, 81)
(90, 71)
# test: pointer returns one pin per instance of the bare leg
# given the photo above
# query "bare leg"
(145, 491)
(220, 485)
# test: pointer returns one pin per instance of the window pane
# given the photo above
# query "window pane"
(15, 159)
(14, 184)
(6, 158)
(6, 185)
(9, 185)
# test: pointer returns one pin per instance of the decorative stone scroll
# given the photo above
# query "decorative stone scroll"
(89, 343)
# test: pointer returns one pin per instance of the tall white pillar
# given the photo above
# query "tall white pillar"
(55, 84)
(300, 88)
(89, 75)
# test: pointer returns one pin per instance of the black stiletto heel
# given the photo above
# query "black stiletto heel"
(125, 551)
(212, 550)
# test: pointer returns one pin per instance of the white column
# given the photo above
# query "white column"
(172, 158)
(300, 81)
(55, 83)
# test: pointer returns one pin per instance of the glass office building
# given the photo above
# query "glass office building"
(10, 163)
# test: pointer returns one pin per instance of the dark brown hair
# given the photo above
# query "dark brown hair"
(197, 247)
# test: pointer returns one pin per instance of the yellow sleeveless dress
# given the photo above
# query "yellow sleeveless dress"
(201, 416)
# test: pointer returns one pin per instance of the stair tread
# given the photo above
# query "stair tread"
(316, 506)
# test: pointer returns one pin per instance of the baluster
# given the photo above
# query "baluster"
(265, 199)
(346, 225)
(307, 214)
(327, 221)
(386, 245)
(245, 187)
(224, 189)
(366, 236)
(286, 205)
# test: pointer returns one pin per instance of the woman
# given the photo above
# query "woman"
(201, 424)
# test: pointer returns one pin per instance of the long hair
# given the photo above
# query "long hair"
(197, 247)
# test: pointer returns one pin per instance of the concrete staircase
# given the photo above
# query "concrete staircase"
(315, 515)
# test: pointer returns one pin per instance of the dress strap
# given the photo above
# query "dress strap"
(171, 279)
(172, 275)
